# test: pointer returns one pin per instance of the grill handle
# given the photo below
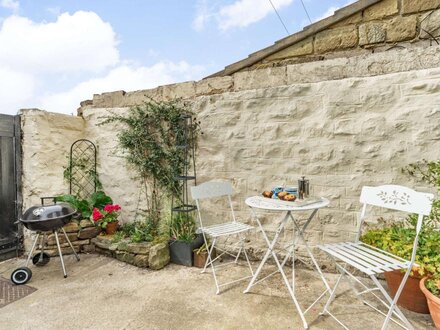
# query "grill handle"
(52, 198)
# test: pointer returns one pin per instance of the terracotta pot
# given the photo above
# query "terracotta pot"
(111, 227)
(433, 303)
(200, 258)
(411, 298)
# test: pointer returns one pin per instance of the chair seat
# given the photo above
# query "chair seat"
(228, 228)
(364, 257)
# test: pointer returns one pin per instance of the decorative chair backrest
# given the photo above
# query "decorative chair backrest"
(397, 198)
(211, 189)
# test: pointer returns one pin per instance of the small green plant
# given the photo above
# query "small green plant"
(118, 236)
(138, 231)
(433, 284)
(204, 248)
(182, 227)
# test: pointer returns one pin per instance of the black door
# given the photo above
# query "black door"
(9, 185)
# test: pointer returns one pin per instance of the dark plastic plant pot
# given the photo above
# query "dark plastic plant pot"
(181, 252)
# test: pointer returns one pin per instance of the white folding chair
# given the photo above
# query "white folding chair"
(210, 190)
(372, 261)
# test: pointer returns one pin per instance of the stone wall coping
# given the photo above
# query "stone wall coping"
(387, 61)
(308, 31)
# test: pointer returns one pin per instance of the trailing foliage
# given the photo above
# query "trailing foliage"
(150, 140)
(428, 172)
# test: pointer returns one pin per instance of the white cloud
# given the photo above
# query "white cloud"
(331, 10)
(203, 15)
(124, 77)
(16, 89)
(78, 42)
(10, 4)
(245, 12)
(36, 57)
(241, 13)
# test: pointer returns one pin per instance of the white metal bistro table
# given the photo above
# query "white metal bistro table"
(268, 204)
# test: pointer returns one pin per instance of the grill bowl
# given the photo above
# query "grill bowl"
(47, 217)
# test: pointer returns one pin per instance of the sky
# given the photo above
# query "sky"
(55, 54)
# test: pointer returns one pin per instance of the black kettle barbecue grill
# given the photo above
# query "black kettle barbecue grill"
(43, 219)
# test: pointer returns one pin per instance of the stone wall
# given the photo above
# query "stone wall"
(46, 140)
(343, 123)
(386, 24)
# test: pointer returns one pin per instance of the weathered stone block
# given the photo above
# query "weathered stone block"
(214, 85)
(85, 223)
(371, 33)
(159, 256)
(105, 252)
(401, 28)
(89, 232)
(79, 242)
(90, 248)
(430, 25)
(139, 248)
(125, 257)
(336, 39)
(71, 227)
(301, 48)
(141, 260)
(380, 10)
(51, 238)
(254, 79)
(101, 243)
(353, 19)
(181, 90)
(413, 6)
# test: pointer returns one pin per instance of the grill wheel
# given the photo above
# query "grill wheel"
(21, 276)
(37, 262)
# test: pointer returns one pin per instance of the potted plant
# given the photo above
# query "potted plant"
(184, 239)
(430, 286)
(398, 239)
(201, 255)
(108, 218)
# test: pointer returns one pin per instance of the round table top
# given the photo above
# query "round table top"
(260, 202)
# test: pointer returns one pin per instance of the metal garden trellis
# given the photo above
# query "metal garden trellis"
(83, 180)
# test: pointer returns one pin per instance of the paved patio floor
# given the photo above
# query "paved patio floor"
(103, 293)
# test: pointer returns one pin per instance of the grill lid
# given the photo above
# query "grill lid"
(48, 212)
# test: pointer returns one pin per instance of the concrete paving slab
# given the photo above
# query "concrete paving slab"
(103, 293)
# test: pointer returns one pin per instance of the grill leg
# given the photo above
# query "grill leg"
(32, 249)
(70, 243)
(43, 241)
(59, 251)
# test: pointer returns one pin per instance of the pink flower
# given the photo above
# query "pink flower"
(96, 214)
(108, 208)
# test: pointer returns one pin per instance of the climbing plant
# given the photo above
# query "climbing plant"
(152, 131)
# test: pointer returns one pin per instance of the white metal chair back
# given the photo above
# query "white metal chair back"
(397, 198)
(212, 189)
(364, 257)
